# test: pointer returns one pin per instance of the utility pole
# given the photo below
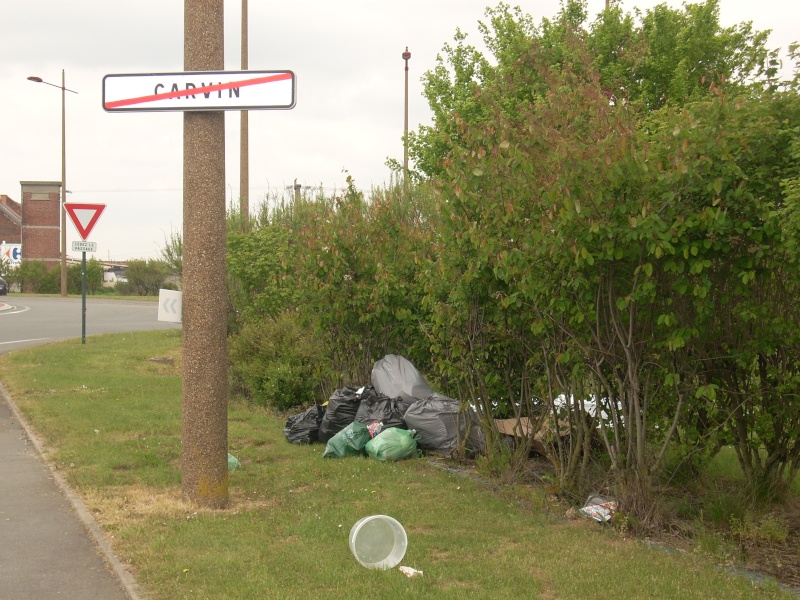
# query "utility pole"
(204, 435)
(244, 140)
(63, 187)
(64, 91)
(406, 57)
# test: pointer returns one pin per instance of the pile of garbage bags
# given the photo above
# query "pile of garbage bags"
(392, 419)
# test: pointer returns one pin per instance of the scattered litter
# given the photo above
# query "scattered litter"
(399, 400)
(410, 572)
(599, 508)
(375, 428)
(395, 377)
(377, 407)
(350, 441)
(442, 422)
(304, 428)
(393, 444)
(340, 412)
(233, 463)
(378, 542)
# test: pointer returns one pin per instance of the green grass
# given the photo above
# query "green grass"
(110, 418)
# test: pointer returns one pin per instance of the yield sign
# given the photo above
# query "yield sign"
(84, 216)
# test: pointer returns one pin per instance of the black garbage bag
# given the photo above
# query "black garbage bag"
(376, 407)
(304, 428)
(440, 423)
(340, 411)
(395, 377)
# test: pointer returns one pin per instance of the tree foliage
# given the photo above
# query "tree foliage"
(146, 277)
(615, 249)
(653, 58)
(607, 246)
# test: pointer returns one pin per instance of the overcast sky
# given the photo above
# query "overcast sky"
(346, 56)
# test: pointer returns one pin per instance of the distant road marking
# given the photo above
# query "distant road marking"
(23, 341)
(14, 310)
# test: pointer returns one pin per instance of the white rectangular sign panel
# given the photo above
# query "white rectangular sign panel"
(11, 253)
(199, 90)
(84, 246)
(170, 306)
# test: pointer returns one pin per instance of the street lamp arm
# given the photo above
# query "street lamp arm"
(40, 80)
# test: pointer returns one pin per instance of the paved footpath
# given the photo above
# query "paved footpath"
(50, 546)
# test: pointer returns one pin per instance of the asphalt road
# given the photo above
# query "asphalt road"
(31, 320)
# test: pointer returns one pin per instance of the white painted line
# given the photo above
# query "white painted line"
(23, 341)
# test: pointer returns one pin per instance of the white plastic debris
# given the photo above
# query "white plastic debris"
(410, 572)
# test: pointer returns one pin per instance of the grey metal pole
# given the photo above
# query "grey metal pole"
(204, 464)
(63, 186)
(64, 90)
(406, 57)
(83, 297)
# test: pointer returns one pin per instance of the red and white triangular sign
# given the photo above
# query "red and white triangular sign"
(84, 216)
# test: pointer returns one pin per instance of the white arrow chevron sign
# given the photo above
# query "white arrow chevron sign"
(170, 306)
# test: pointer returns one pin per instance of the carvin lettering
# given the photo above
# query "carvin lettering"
(190, 86)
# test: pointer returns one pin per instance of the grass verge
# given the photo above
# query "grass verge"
(109, 414)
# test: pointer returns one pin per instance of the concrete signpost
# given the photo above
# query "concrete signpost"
(84, 217)
(202, 92)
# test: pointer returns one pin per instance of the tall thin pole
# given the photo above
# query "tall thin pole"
(83, 297)
(63, 186)
(244, 140)
(406, 57)
(204, 439)
(64, 91)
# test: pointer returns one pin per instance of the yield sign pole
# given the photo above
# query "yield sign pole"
(84, 217)
(204, 451)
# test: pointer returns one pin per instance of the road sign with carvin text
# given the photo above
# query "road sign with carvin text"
(199, 90)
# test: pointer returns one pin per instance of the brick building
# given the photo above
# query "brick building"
(10, 220)
(34, 222)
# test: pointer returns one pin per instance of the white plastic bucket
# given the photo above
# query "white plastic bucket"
(378, 542)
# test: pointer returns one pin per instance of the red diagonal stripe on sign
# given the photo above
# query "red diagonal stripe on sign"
(201, 90)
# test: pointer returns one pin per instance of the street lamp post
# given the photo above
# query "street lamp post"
(406, 57)
(63, 176)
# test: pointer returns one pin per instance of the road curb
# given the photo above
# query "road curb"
(123, 575)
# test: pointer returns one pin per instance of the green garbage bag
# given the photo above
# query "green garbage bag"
(393, 444)
(233, 463)
(350, 441)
